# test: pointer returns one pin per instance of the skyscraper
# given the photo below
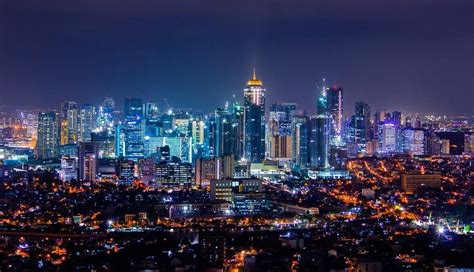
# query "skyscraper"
(237, 130)
(300, 141)
(388, 140)
(223, 133)
(133, 129)
(68, 123)
(47, 145)
(133, 138)
(413, 141)
(254, 116)
(87, 122)
(320, 132)
(335, 109)
(359, 127)
(279, 130)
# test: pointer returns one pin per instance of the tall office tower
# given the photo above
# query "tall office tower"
(209, 136)
(223, 144)
(68, 123)
(133, 107)
(335, 108)
(87, 122)
(396, 119)
(254, 118)
(133, 138)
(133, 129)
(197, 137)
(86, 158)
(380, 118)
(413, 141)
(119, 138)
(320, 132)
(238, 130)
(47, 145)
(279, 126)
(362, 109)
(300, 141)
(388, 139)
(197, 131)
(359, 127)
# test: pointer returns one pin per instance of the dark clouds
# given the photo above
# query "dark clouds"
(394, 54)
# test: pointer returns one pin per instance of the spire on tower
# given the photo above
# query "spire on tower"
(254, 81)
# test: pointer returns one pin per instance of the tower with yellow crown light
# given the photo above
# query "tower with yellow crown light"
(254, 120)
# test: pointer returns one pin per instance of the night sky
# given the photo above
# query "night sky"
(392, 54)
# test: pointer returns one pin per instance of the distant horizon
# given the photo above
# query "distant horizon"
(11, 108)
(199, 54)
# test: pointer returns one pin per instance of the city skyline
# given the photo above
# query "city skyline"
(391, 60)
(237, 136)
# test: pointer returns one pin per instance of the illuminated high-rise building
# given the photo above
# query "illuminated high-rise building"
(238, 130)
(320, 132)
(209, 136)
(254, 118)
(388, 139)
(300, 141)
(413, 141)
(335, 109)
(133, 129)
(223, 144)
(87, 122)
(134, 148)
(396, 119)
(359, 128)
(47, 145)
(279, 130)
(68, 123)
(197, 137)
